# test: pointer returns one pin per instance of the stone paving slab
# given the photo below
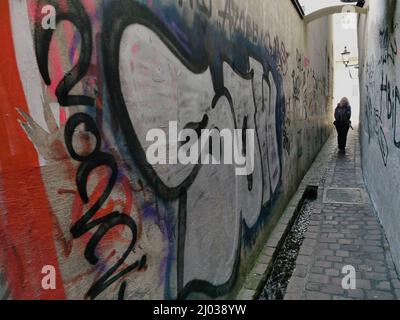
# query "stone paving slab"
(343, 235)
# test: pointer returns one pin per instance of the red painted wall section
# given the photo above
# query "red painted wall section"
(26, 221)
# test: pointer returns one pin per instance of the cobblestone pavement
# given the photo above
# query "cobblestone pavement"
(342, 234)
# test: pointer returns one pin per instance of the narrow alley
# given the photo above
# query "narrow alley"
(179, 150)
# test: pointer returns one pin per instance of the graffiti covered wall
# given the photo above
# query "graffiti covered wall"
(379, 36)
(76, 101)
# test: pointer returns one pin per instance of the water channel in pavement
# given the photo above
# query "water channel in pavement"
(285, 261)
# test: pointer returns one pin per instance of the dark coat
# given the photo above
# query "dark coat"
(342, 117)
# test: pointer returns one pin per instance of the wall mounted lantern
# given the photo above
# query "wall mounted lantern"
(346, 61)
(346, 57)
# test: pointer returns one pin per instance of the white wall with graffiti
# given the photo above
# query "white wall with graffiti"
(76, 189)
(379, 36)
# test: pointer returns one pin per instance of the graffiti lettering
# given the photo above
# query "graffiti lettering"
(91, 161)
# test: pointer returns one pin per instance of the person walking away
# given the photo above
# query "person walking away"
(342, 122)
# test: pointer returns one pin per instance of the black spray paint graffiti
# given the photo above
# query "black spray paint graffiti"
(75, 13)
(298, 77)
(199, 46)
(287, 136)
(89, 163)
(381, 111)
(205, 47)
(307, 90)
(202, 6)
(388, 46)
(306, 87)
(237, 22)
(376, 118)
